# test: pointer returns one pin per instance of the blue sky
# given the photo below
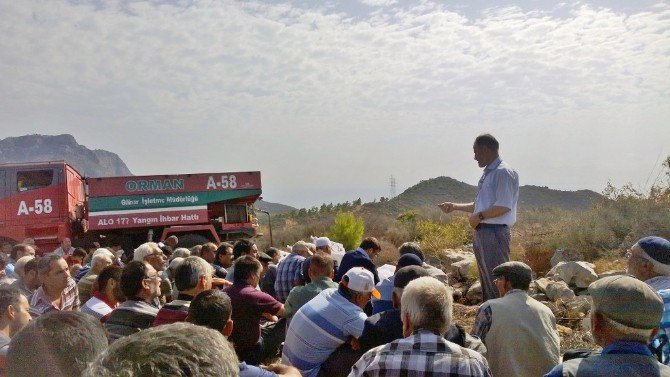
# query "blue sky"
(330, 99)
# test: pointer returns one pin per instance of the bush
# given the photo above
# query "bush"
(435, 236)
(347, 230)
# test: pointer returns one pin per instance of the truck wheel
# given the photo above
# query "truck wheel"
(191, 239)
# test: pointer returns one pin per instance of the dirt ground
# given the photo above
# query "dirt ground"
(464, 315)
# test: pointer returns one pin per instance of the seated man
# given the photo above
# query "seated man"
(58, 290)
(98, 263)
(624, 317)
(177, 349)
(19, 251)
(13, 315)
(330, 319)
(223, 259)
(426, 312)
(58, 343)
(386, 327)
(140, 284)
(288, 268)
(108, 295)
(518, 319)
(320, 274)
(27, 281)
(212, 309)
(249, 306)
(361, 257)
(385, 287)
(192, 276)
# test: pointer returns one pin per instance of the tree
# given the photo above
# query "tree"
(347, 230)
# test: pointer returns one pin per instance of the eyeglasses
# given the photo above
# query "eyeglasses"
(151, 277)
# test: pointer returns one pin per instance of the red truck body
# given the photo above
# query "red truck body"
(51, 200)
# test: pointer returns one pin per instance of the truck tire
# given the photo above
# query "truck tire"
(191, 239)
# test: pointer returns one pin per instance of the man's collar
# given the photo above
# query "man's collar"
(494, 164)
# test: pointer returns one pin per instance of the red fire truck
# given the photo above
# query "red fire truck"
(47, 201)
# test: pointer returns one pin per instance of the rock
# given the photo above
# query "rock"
(565, 255)
(541, 284)
(559, 290)
(580, 274)
(564, 330)
(578, 307)
(474, 294)
(539, 297)
(451, 256)
(463, 267)
(611, 273)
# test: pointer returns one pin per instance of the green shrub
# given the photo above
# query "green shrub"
(347, 230)
(436, 236)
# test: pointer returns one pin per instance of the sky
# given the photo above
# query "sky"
(329, 99)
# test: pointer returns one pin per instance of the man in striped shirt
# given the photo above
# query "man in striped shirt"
(287, 269)
(329, 320)
(58, 290)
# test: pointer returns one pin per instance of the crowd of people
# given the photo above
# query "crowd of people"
(231, 310)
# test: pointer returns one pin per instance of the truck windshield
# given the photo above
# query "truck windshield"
(33, 179)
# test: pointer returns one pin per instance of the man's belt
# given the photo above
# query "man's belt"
(487, 225)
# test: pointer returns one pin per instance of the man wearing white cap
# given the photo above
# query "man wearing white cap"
(323, 244)
(329, 320)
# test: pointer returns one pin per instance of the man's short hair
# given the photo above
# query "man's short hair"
(19, 247)
(222, 250)
(98, 259)
(208, 246)
(321, 264)
(370, 243)
(241, 247)
(31, 265)
(8, 296)
(211, 308)
(79, 252)
(23, 262)
(188, 273)
(178, 349)
(144, 250)
(272, 252)
(411, 247)
(428, 304)
(107, 273)
(132, 277)
(245, 266)
(181, 252)
(58, 343)
(44, 263)
(487, 141)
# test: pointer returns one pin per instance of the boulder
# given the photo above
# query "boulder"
(541, 285)
(564, 330)
(539, 297)
(559, 290)
(580, 274)
(463, 267)
(474, 294)
(553, 307)
(577, 308)
(565, 255)
(611, 273)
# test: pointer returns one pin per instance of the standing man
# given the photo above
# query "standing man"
(493, 211)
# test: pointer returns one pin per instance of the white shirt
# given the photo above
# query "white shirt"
(499, 186)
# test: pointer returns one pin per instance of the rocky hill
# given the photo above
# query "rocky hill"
(441, 189)
(90, 163)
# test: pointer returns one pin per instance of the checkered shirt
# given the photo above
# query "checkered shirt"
(41, 304)
(286, 273)
(423, 353)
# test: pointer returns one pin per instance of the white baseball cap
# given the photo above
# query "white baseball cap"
(322, 241)
(362, 280)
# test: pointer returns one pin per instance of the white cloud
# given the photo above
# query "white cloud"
(324, 98)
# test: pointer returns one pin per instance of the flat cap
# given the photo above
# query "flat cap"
(406, 274)
(518, 269)
(409, 260)
(627, 300)
(657, 248)
(264, 257)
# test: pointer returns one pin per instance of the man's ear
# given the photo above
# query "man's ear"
(11, 312)
(228, 329)
(406, 329)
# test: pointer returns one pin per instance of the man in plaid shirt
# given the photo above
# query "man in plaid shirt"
(426, 310)
(287, 269)
(58, 290)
